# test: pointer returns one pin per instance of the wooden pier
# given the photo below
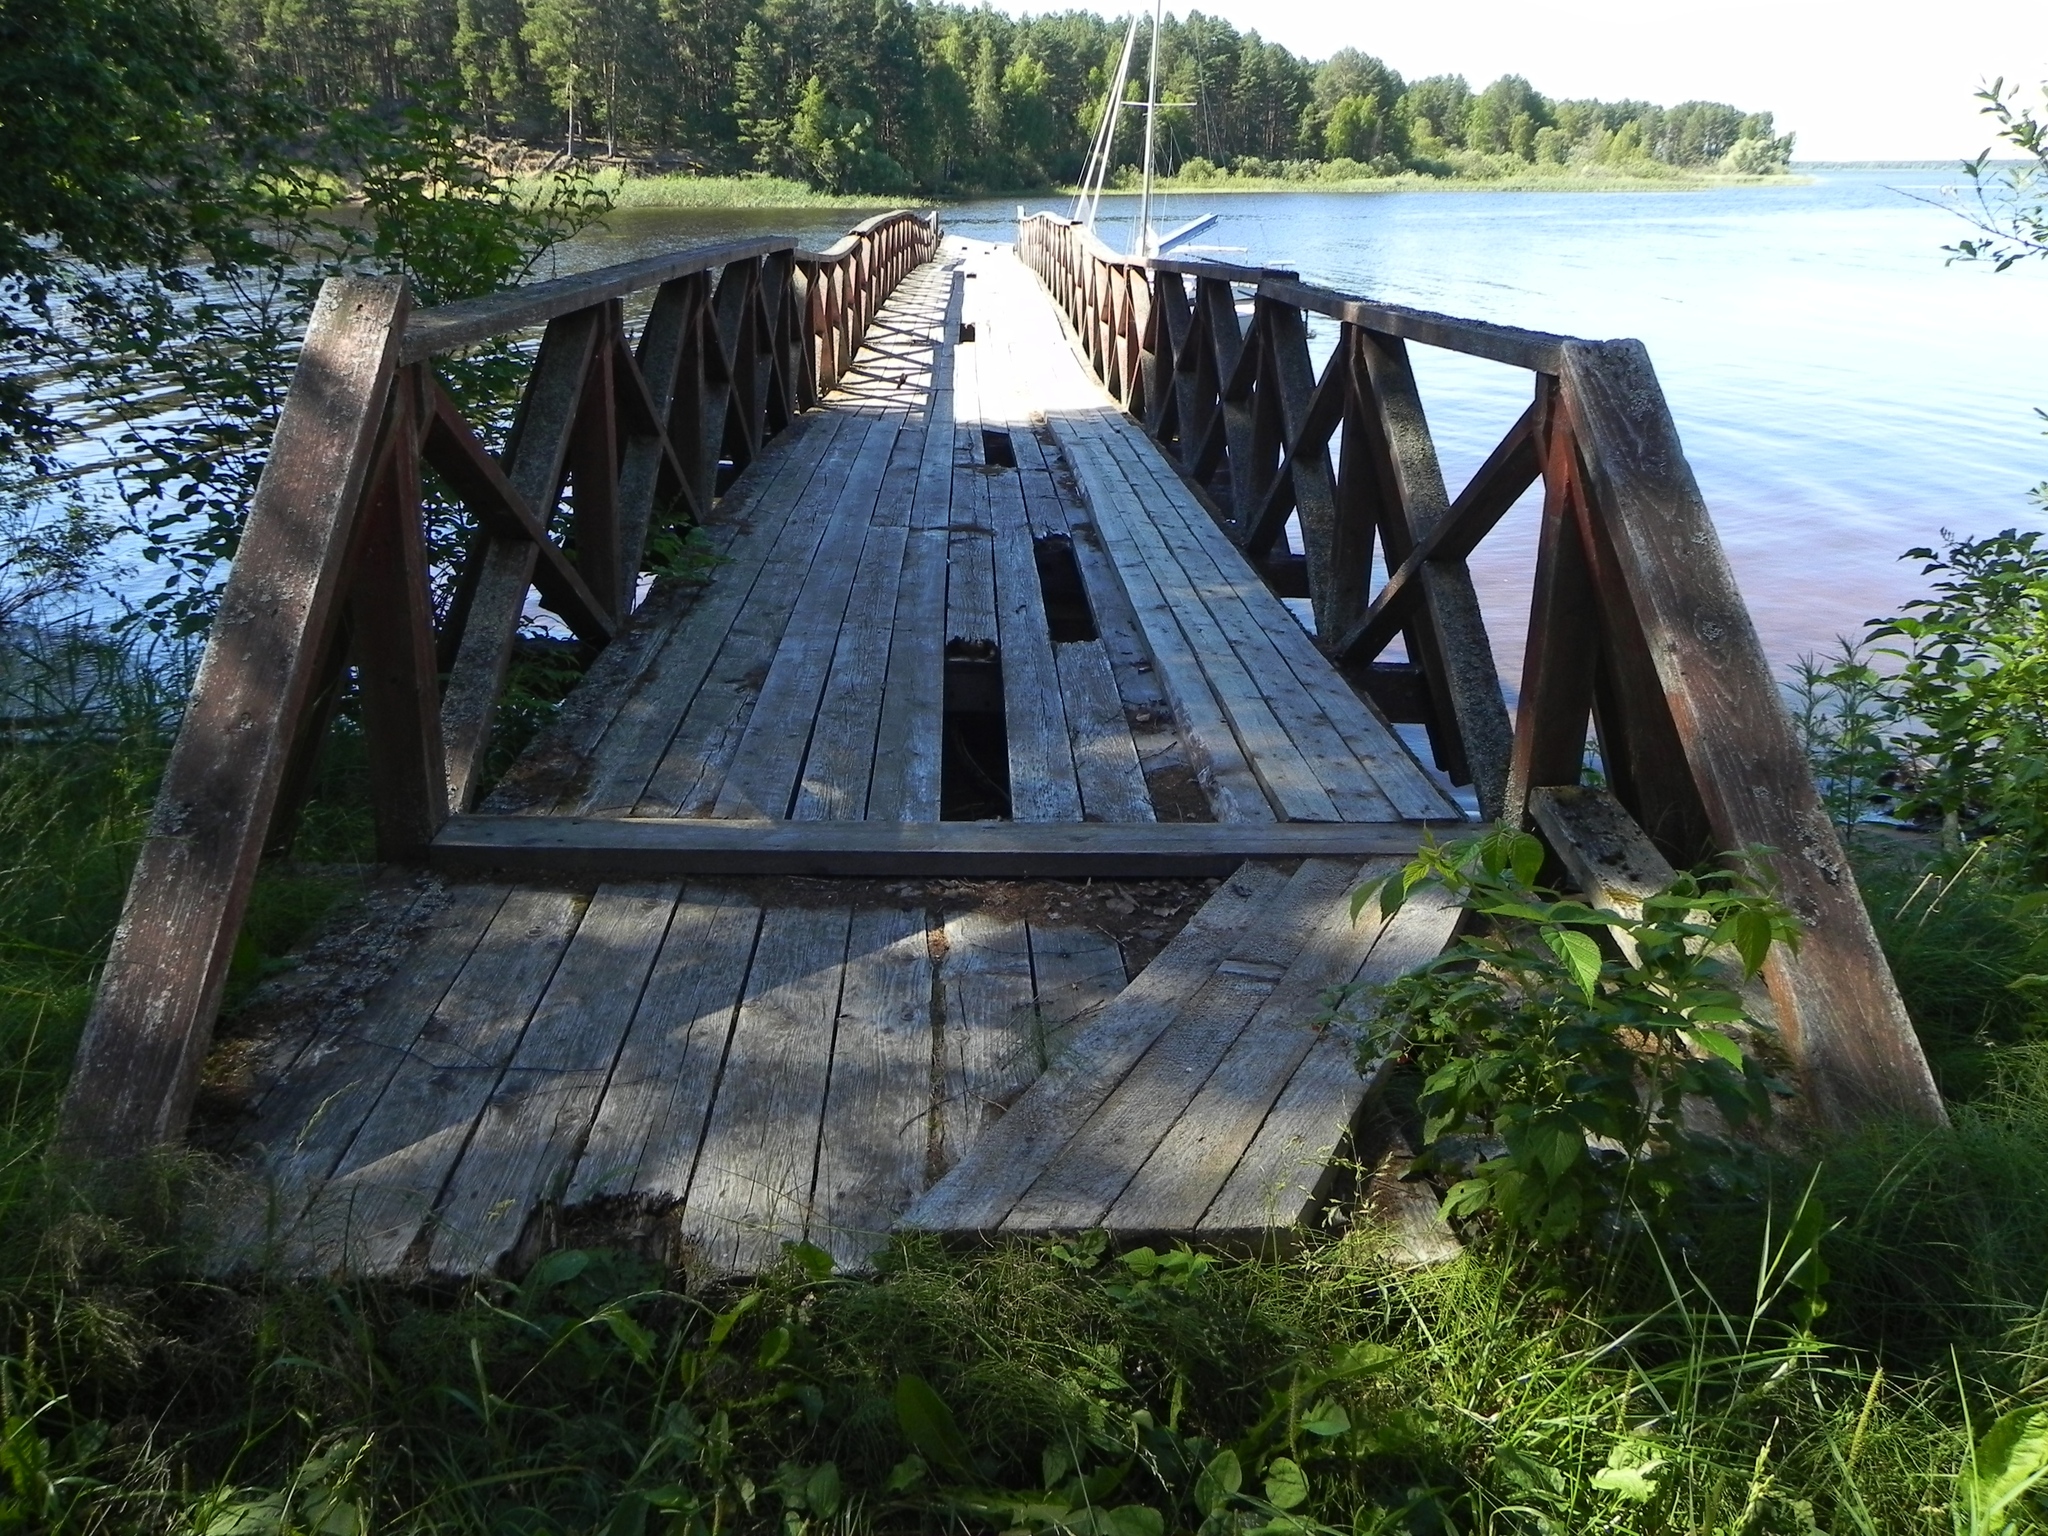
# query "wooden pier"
(966, 848)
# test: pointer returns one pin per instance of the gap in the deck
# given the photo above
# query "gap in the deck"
(974, 764)
(1068, 616)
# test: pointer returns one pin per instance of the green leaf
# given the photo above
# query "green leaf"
(1752, 938)
(1580, 954)
(1717, 1044)
(1526, 856)
(1637, 1483)
(928, 1424)
(1327, 1421)
(2008, 1464)
(1218, 1483)
(1529, 1471)
(1286, 1483)
(814, 1261)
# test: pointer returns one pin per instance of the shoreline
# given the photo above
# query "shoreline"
(679, 192)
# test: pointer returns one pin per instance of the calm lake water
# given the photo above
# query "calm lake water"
(1842, 394)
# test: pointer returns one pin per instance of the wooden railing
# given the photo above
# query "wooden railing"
(1636, 628)
(333, 573)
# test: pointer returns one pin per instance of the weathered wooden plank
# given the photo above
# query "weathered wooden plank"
(838, 765)
(1175, 1183)
(691, 769)
(1286, 1169)
(751, 1191)
(645, 1136)
(871, 1156)
(1106, 767)
(1283, 769)
(1256, 629)
(1043, 783)
(982, 1188)
(367, 1216)
(1083, 1180)
(1220, 763)
(905, 781)
(991, 1041)
(528, 1133)
(768, 761)
(758, 515)
(1537, 351)
(1075, 974)
(970, 551)
(1840, 1010)
(138, 1060)
(649, 847)
(1218, 568)
(308, 1115)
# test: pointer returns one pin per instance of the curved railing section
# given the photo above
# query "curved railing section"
(615, 437)
(1637, 634)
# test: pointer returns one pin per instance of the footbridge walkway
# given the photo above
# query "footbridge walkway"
(958, 838)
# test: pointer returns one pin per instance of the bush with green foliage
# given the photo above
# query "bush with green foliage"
(1565, 1048)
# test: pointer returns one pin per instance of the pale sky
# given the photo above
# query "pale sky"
(1882, 80)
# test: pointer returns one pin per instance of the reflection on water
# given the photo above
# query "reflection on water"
(1841, 393)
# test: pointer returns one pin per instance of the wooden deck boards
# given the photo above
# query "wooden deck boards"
(748, 1062)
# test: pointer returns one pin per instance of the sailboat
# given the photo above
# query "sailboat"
(1145, 240)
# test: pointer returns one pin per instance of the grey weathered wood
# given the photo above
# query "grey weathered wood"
(1283, 1173)
(139, 1058)
(1213, 749)
(1106, 767)
(1043, 782)
(450, 327)
(1173, 1185)
(905, 781)
(644, 1138)
(752, 1187)
(1082, 1181)
(979, 1191)
(761, 779)
(991, 1040)
(307, 1117)
(1075, 974)
(1355, 754)
(368, 1215)
(1469, 679)
(528, 1132)
(648, 847)
(1839, 1008)
(691, 770)
(534, 466)
(634, 739)
(970, 551)
(872, 1151)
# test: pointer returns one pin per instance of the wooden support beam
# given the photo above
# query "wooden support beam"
(138, 1061)
(1840, 1011)
(1454, 649)
(391, 626)
(1497, 485)
(660, 848)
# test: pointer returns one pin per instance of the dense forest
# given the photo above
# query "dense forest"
(885, 96)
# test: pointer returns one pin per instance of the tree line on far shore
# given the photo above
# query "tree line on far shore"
(889, 96)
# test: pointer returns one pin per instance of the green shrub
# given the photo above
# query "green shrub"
(1562, 1046)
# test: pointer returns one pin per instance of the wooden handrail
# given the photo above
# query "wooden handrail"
(333, 575)
(1636, 636)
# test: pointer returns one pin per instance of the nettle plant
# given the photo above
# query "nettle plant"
(1570, 1056)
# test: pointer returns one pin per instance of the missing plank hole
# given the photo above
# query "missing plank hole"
(1067, 614)
(974, 764)
(997, 449)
